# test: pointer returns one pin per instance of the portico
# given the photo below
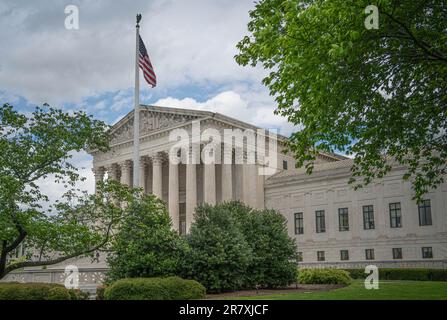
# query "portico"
(194, 180)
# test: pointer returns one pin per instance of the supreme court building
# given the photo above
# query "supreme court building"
(333, 224)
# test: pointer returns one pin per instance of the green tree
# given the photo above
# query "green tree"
(146, 245)
(274, 260)
(36, 147)
(235, 247)
(376, 94)
(219, 255)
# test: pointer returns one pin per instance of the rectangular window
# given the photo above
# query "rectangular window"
(368, 217)
(320, 221)
(320, 256)
(397, 253)
(425, 213)
(344, 255)
(395, 215)
(369, 254)
(299, 223)
(343, 219)
(427, 253)
(285, 165)
(300, 257)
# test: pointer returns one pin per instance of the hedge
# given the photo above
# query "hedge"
(38, 291)
(323, 276)
(403, 274)
(171, 288)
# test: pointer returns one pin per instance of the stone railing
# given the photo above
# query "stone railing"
(431, 264)
(88, 277)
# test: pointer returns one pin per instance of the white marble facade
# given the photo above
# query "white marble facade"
(183, 186)
(291, 191)
(296, 194)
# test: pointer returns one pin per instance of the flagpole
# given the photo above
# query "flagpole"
(136, 122)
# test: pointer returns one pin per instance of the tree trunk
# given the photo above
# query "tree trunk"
(3, 256)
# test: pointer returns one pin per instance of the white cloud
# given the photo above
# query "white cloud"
(245, 105)
(190, 42)
(55, 191)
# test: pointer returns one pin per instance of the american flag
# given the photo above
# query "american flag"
(146, 65)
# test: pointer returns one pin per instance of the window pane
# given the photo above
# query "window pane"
(299, 223)
(395, 215)
(343, 219)
(320, 221)
(427, 253)
(368, 217)
(320, 256)
(425, 213)
(369, 254)
(397, 253)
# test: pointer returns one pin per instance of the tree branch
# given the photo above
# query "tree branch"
(421, 44)
(26, 264)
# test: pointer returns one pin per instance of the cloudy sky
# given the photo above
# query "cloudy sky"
(191, 44)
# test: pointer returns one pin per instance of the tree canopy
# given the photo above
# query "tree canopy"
(146, 245)
(38, 146)
(375, 94)
(233, 247)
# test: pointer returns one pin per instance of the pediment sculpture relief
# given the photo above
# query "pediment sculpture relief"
(149, 122)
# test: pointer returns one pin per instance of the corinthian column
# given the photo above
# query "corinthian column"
(157, 171)
(174, 195)
(112, 171)
(142, 180)
(227, 175)
(99, 176)
(209, 183)
(191, 189)
(250, 180)
(126, 168)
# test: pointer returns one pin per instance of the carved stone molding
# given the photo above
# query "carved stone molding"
(149, 122)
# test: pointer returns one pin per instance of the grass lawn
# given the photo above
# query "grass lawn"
(388, 290)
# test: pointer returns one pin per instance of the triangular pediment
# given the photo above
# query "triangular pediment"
(153, 119)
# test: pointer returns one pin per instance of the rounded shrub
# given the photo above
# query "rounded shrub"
(59, 293)
(146, 246)
(76, 294)
(234, 247)
(171, 288)
(34, 291)
(219, 256)
(323, 276)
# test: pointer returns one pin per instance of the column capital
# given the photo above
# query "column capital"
(125, 165)
(250, 156)
(112, 170)
(110, 167)
(143, 162)
(98, 171)
(193, 156)
(157, 159)
(227, 154)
